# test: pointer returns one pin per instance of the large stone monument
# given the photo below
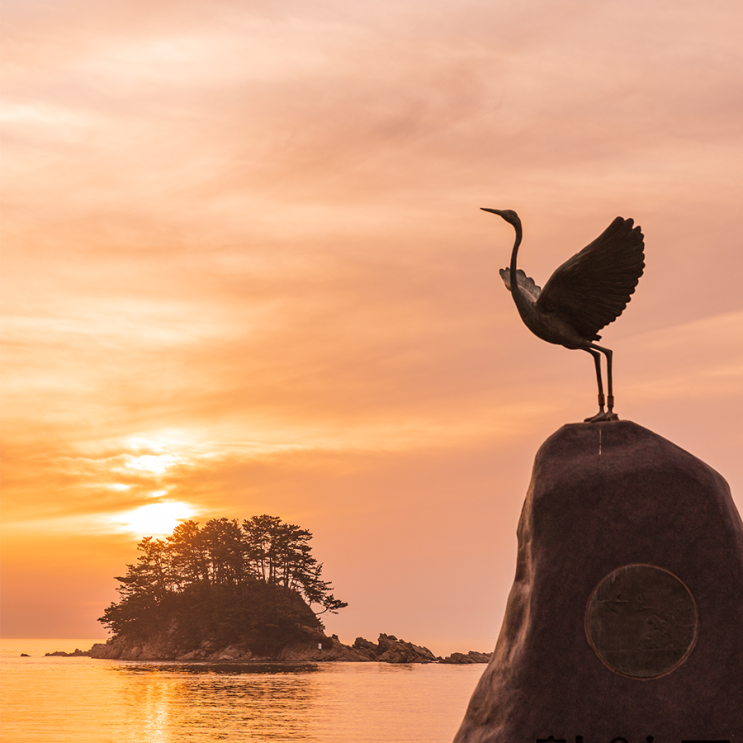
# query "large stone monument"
(625, 620)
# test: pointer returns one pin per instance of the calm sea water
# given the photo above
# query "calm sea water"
(56, 700)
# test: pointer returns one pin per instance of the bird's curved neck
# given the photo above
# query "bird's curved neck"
(515, 288)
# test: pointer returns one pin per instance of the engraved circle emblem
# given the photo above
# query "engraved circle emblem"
(641, 621)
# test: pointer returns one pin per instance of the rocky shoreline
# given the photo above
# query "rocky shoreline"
(320, 648)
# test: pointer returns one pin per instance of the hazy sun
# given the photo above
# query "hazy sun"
(156, 464)
(154, 519)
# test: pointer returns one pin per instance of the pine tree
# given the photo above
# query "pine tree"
(253, 579)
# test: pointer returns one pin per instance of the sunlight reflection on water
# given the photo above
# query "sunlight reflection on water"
(96, 701)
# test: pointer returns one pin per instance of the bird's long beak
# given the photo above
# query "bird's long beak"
(493, 211)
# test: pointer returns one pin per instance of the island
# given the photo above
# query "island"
(232, 590)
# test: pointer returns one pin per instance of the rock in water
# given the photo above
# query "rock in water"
(625, 620)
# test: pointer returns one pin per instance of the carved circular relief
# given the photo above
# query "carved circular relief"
(641, 621)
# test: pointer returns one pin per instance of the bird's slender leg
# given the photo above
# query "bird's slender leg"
(597, 360)
(610, 415)
(610, 391)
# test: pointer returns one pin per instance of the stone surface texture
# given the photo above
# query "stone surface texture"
(603, 496)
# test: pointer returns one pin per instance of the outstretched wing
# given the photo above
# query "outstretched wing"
(526, 283)
(592, 288)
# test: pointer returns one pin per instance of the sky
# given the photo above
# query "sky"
(245, 271)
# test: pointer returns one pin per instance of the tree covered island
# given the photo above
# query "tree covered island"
(236, 590)
(251, 586)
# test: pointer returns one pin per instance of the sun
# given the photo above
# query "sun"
(155, 519)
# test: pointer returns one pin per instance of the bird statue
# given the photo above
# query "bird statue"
(586, 293)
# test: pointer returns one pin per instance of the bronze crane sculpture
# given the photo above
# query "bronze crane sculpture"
(587, 292)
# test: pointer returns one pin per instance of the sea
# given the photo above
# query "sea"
(86, 700)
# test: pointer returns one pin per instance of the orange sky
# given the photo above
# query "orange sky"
(245, 271)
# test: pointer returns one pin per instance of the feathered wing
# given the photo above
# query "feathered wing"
(525, 282)
(592, 288)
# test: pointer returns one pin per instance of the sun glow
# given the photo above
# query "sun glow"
(156, 464)
(155, 519)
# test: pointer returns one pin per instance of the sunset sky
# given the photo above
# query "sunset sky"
(245, 271)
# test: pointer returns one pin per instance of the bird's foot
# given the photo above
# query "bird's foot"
(601, 416)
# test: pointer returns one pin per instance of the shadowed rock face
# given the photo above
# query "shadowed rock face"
(604, 497)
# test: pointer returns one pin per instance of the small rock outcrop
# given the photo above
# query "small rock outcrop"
(77, 653)
(389, 649)
(467, 658)
(624, 620)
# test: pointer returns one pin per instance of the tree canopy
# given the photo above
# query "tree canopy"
(255, 578)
